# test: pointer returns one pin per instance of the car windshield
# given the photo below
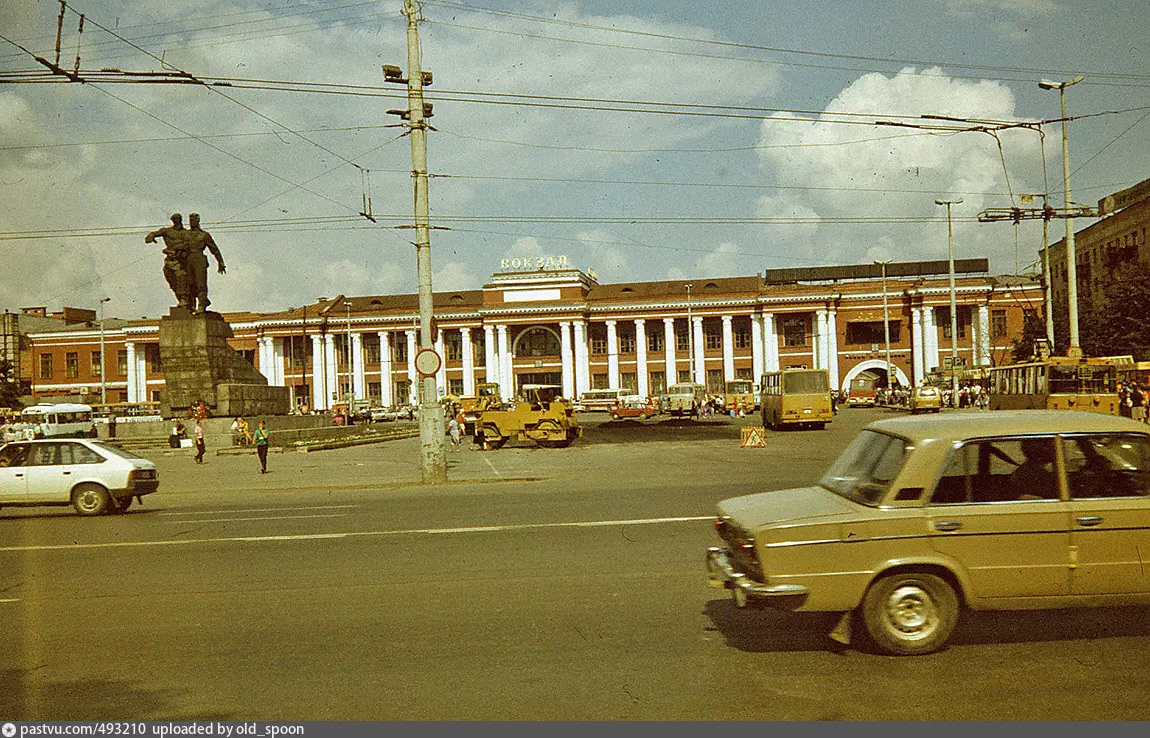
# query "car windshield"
(865, 470)
(116, 451)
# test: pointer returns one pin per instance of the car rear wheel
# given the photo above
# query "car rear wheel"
(91, 499)
(910, 613)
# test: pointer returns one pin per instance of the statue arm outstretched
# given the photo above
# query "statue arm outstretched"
(216, 253)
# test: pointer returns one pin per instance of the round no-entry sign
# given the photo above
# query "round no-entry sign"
(427, 362)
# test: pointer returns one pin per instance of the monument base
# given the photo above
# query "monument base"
(200, 365)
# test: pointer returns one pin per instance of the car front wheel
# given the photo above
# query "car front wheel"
(910, 613)
(91, 499)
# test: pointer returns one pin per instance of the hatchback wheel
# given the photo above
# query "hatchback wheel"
(911, 613)
(91, 499)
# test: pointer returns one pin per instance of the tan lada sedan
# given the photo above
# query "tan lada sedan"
(921, 518)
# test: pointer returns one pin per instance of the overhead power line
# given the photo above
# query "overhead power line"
(470, 8)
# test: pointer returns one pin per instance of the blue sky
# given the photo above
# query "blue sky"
(781, 185)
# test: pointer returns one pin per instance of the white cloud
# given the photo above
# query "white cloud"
(898, 174)
(454, 275)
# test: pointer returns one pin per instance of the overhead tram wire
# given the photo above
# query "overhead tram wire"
(467, 7)
(231, 99)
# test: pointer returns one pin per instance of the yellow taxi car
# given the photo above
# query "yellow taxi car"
(921, 518)
(925, 400)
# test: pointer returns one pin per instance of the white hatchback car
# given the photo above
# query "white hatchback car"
(93, 477)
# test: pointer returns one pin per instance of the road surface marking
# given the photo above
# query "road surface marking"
(361, 534)
(484, 457)
(260, 509)
(3, 601)
(268, 517)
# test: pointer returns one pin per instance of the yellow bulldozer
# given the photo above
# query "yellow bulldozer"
(541, 416)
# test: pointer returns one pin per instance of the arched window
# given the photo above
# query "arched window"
(537, 341)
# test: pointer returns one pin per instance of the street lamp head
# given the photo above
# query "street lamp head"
(1046, 84)
(948, 202)
(105, 299)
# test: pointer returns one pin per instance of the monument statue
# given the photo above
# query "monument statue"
(175, 260)
(185, 265)
(201, 369)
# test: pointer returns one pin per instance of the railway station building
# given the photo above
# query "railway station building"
(547, 323)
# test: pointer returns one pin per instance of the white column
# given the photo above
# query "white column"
(567, 359)
(728, 349)
(133, 387)
(441, 375)
(700, 364)
(385, 382)
(770, 343)
(506, 377)
(833, 347)
(644, 386)
(930, 321)
(358, 370)
(756, 347)
(278, 362)
(412, 377)
(612, 355)
(332, 371)
(142, 375)
(582, 370)
(489, 363)
(468, 361)
(916, 345)
(317, 373)
(818, 329)
(672, 370)
(983, 347)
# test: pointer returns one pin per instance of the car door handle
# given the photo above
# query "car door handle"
(947, 525)
(1089, 521)
(65, 473)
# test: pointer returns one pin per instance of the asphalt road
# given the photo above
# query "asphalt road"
(539, 584)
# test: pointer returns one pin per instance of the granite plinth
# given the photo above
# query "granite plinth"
(199, 364)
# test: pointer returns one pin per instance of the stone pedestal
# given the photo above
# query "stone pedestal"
(199, 364)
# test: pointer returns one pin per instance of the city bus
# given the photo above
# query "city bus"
(684, 398)
(741, 392)
(601, 399)
(796, 397)
(861, 392)
(63, 420)
(1056, 383)
(126, 412)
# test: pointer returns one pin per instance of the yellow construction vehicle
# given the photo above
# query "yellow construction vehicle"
(542, 416)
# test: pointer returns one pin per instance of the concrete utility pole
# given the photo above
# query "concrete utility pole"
(953, 305)
(886, 327)
(433, 461)
(1074, 350)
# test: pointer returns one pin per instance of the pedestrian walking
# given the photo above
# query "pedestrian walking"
(262, 437)
(200, 446)
(1137, 403)
(454, 432)
(236, 432)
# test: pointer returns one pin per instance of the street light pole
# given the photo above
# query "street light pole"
(953, 306)
(690, 338)
(1074, 350)
(886, 325)
(103, 355)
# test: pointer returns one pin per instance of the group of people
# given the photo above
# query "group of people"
(1132, 401)
(241, 435)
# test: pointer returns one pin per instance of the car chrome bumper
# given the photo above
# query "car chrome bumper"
(722, 574)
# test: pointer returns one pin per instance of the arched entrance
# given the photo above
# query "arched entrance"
(541, 344)
(876, 368)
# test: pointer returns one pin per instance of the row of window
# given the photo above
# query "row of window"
(95, 359)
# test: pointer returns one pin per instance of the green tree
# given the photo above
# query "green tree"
(1033, 328)
(9, 385)
(1119, 323)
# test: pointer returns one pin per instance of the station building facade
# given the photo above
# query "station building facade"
(562, 327)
